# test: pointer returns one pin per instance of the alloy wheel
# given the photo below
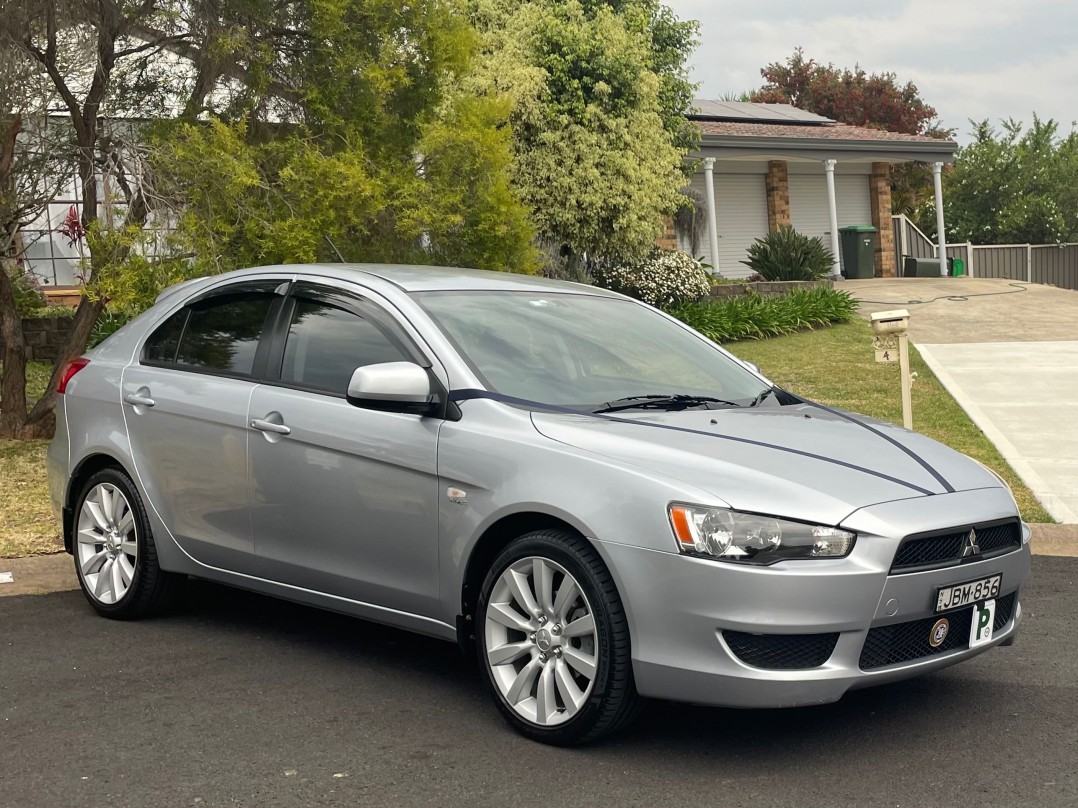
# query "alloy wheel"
(541, 641)
(107, 543)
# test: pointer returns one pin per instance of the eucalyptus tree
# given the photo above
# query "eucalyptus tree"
(210, 134)
(77, 48)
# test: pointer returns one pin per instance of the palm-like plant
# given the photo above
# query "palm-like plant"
(786, 255)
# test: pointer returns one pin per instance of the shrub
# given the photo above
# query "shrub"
(50, 312)
(786, 255)
(107, 324)
(755, 317)
(664, 278)
(29, 298)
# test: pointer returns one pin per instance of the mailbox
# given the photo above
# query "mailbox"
(890, 322)
(891, 341)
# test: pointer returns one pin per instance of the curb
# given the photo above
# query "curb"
(40, 575)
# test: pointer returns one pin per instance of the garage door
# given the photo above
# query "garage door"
(741, 202)
(808, 203)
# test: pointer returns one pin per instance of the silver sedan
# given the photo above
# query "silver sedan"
(589, 497)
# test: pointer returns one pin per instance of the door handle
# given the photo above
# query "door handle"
(137, 400)
(269, 426)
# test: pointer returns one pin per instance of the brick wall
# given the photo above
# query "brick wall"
(778, 195)
(44, 336)
(668, 238)
(879, 194)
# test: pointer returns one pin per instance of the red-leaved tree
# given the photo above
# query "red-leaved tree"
(873, 100)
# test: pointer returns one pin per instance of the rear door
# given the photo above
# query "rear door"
(343, 499)
(185, 402)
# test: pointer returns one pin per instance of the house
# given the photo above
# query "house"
(761, 166)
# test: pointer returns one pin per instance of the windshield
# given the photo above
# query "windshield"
(584, 351)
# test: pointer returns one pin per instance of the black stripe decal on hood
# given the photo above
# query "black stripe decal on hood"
(924, 463)
(468, 395)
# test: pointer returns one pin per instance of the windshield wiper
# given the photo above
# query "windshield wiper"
(661, 402)
(756, 402)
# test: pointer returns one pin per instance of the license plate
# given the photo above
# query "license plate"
(956, 595)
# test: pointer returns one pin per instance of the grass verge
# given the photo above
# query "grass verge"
(27, 526)
(836, 366)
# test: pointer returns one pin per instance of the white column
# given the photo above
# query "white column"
(832, 213)
(712, 213)
(941, 237)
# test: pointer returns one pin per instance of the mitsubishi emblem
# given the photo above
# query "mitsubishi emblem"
(971, 548)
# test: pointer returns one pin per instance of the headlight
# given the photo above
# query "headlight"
(750, 539)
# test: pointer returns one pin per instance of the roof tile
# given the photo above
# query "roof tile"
(838, 131)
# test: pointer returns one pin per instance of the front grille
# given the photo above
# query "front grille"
(944, 549)
(908, 642)
(781, 651)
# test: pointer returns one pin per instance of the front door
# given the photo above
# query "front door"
(343, 499)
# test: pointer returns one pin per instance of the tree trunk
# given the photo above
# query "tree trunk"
(13, 378)
(41, 423)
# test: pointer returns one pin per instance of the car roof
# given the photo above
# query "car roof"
(431, 279)
(419, 278)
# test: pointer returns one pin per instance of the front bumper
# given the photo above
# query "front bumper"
(680, 607)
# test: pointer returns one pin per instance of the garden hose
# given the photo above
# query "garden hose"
(956, 298)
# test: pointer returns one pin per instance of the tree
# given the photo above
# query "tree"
(876, 101)
(31, 173)
(854, 97)
(1015, 186)
(599, 95)
(274, 123)
(58, 39)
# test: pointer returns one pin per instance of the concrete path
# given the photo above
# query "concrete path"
(964, 310)
(1008, 353)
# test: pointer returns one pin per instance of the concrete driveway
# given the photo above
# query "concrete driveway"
(1008, 353)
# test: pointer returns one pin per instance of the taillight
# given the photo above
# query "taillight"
(73, 367)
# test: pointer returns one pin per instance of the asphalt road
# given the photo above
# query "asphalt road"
(242, 700)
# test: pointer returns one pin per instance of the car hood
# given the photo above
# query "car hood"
(798, 461)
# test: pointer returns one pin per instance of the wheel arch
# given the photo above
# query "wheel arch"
(84, 469)
(491, 541)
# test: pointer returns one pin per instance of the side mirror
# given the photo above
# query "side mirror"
(753, 367)
(393, 386)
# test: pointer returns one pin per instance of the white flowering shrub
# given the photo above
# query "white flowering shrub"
(664, 278)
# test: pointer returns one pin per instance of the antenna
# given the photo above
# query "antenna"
(340, 257)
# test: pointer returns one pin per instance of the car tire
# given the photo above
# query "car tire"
(553, 641)
(115, 555)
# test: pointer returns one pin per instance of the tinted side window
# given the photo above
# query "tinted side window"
(325, 344)
(222, 332)
(162, 344)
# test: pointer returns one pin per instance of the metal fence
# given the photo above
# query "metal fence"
(1055, 264)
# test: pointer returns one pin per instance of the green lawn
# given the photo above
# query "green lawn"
(836, 366)
(27, 526)
(832, 365)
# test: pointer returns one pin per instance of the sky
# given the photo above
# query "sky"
(970, 59)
